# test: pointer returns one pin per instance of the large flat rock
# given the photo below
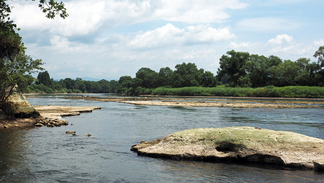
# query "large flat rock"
(50, 116)
(218, 104)
(239, 144)
(57, 112)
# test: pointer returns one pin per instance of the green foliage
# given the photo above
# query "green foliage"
(13, 70)
(233, 65)
(186, 75)
(243, 75)
(244, 70)
(269, 91)
(14, 64)
(69, 85)
(44, 78)
(52, 8)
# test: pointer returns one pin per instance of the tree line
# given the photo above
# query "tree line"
(237, 69)
(184, 75)
(250, 70)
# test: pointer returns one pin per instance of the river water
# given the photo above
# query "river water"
(50, 155)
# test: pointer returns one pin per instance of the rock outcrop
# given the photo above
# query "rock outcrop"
(239, 144)
(52, 115)
(57, 112)
(21, 106)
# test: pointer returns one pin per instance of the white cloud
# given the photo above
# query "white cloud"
(284, 44)
(280, 39)
(319, 42)
(234, 45)
(203, 34)
(86, 17)
(165, 35)
(108, 39)
(192, 11)
(62, 45)
(169, 35)
(268, 24)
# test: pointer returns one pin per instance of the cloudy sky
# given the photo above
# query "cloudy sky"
(106, 39)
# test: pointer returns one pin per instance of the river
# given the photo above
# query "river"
(50, 155)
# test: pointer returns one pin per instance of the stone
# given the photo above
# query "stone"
(39, 124)
(319, 165)
(238, 144)
(21, 106)
(70, 132)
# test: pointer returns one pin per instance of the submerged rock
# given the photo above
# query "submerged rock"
(238, 144)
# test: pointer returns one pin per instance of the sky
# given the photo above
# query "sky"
(107, 39)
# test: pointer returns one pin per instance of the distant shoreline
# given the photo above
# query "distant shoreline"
(178, 96)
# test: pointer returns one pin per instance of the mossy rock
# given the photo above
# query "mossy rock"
(238, 144)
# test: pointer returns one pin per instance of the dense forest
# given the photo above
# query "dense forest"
(237, 69)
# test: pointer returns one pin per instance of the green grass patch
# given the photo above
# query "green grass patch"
(269, 91)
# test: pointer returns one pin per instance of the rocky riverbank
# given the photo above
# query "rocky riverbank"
(211, 102)
(50, 116)
(239, 144)
(218, 104)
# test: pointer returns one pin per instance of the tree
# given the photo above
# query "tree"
(257, 68)
(185, 75)
(44, 78)
(14, 64)
(105, 86)
(207, 79)
(69, 83)
(165, 77)
(124, 83)
(232, 65)
(320, 55)
(148, 76)
(12, 72)
(79, 85)
(285, 74)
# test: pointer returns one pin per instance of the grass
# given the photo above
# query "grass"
(269, 91)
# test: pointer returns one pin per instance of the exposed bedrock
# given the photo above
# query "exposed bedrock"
(239, 144)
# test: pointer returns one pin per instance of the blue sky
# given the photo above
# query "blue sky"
(106, 39)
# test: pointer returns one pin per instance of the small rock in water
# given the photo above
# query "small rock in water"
(89, 135)
(39, 124)
(70, 132)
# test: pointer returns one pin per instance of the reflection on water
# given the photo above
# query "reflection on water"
(49, 155)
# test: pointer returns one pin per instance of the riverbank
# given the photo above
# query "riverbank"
(234, 102)
(50, 116)
(219, 104)
(238, 144)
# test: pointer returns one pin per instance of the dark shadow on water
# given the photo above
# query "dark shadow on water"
(140, 107)
(182, 108)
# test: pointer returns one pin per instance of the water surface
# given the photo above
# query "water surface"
(49, 155)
